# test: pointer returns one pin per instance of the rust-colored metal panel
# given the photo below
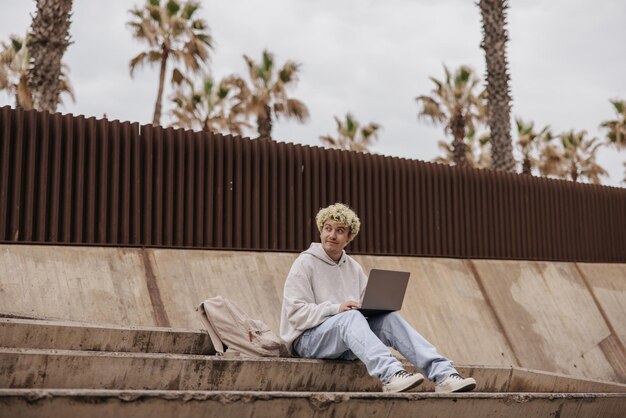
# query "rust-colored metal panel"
(397, 202)
(162, 185)
(43, 177)
(606, 221)
(405, 201)
(30, 176)
(265, 188)
(54, 188)
(420, 201)
(169, 193)
(524, 212)
(218, 199)
(228, 190)
(188, 219)
(428, 220)
(16, 180)
(123, 229)
(377, 212)
(307, 209)
(91, 185)
(121, 226)
(447, 219)
(336, 177)
(280, 202)
(102, 141)
(456, 206)
(178, 215)
(15, 209)
(388, 205)
(148, 154)
(6, 139)
(518, 214)
(371, 216)
(136, 183)
(300, 202)
(115, 187)
(274, 197)
(315, 191)
(80, 180)
(467, 212)
(331, 178)
(504, 231)
(248, 206)
(199, 154)
(256, 170)
(291, 176)
(70, 180)
(210, 191)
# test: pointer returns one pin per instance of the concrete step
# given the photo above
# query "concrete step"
(66, 369)
(138, 404)
(69, 335)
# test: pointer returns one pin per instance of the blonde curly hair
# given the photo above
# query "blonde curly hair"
(340, 213)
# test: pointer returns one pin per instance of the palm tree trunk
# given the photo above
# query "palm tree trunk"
(23, 97)
(459, 147)
(526, 166)
(47, 43)
(573, 172)
(264, 123)
(494, 43)
(156, 119)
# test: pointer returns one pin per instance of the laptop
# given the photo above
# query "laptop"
(384, 292)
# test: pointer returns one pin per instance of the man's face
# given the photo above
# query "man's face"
(334, 238)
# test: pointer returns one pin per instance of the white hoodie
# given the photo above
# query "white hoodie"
(315, 288)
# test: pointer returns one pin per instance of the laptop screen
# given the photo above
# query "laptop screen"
(385, 291)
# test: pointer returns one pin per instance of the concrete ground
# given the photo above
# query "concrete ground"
(65, 368)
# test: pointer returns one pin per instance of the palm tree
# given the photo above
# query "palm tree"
(617, 127)
(266, 98)
(480, 149)
(455, 103)
(172, 31)
(14, 60)
(351, 136)
(211, 108)
(14, 64)
(551, 161)
(48, 40)
(478, 154)
(494, 42)
(531, 144)
(579, 155)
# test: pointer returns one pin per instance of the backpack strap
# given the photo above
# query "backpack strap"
(215, 340)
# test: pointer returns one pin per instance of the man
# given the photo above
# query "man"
(319, 317)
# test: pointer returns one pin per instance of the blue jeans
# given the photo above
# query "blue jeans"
(349, 335)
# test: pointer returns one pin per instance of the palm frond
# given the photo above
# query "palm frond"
(350, 136)
(265, 95)
(188, 11)
(172, 7)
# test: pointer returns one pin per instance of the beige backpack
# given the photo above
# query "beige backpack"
(235, 333)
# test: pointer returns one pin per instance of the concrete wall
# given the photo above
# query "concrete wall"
(559, 317)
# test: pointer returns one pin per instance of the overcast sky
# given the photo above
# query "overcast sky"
(371, 58)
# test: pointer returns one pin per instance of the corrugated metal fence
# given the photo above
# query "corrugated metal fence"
(73, 180)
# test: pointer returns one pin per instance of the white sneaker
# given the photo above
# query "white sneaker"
(455, 383)
(402, 381)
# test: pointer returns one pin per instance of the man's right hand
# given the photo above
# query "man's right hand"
(349, 305)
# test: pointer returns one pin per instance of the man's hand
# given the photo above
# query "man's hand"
(348, 305)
